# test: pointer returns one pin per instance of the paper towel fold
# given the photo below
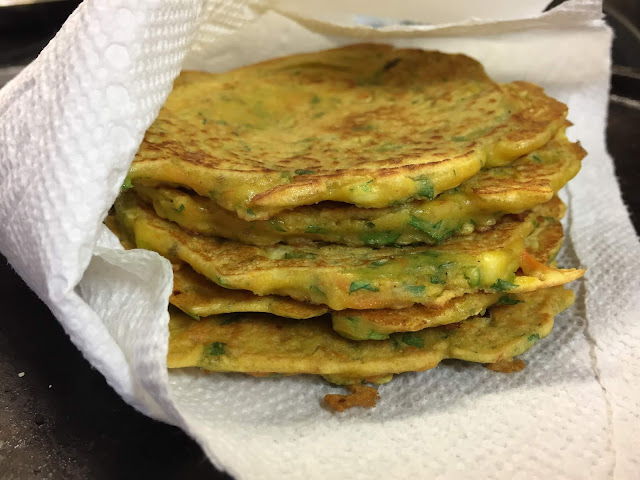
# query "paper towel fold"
(71, 123)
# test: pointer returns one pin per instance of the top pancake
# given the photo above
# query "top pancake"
(367, 124)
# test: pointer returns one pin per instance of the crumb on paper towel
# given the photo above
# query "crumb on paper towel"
(507, 366)
(360, 396)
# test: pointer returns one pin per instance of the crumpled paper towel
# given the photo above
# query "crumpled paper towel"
(70, 125)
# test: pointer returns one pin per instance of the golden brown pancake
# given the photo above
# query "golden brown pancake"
(361, 278)
(368, 124)
(268, 344)
(478, 202)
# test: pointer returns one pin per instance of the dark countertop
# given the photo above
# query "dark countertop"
(61, 420)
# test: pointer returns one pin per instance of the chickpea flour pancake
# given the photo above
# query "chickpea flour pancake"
(478, 202)
(368, 125)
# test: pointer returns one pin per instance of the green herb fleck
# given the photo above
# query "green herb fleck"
(379, 263)
(366, 187)
(362, 285)
(433, 230)
(424, 187)
(352, 320)
(376, 239)
(416, 289)
(502, 285)
(315, 289)
(536, 158)
(193, 315)
(413, 339)
(250, 212)
(533, 337)
(508, 300)
(304, 172)
(472, 274)
(180, 208)
(318, 115)
(276, 226)
(126, 185)
(437, 280)
(204, 119)
(216, 349)
(459, 139)
(315, 99)
(373, 335)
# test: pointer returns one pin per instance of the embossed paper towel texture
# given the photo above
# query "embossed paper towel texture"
(70, 126)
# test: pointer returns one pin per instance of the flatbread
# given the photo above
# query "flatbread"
(366, 124)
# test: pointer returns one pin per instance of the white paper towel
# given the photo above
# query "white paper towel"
(69, 127)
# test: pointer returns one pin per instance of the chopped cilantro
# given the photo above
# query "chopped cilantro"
(536, 158)
(315, 289)
(379, 263)
(413, 339)
(250, 212)
(373, 335)
(508, 300)
(301, 171)
(374, 239)
(472, 275)
(362, 285)
(502, 285)
(424, 187)
(366, 187)
(352, 320)
(437, 280)
(216, 349)
(416, 289)
(127, 184)
(180, 208)
(533, 337)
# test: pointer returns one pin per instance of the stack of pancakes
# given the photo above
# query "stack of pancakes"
(354, 213)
